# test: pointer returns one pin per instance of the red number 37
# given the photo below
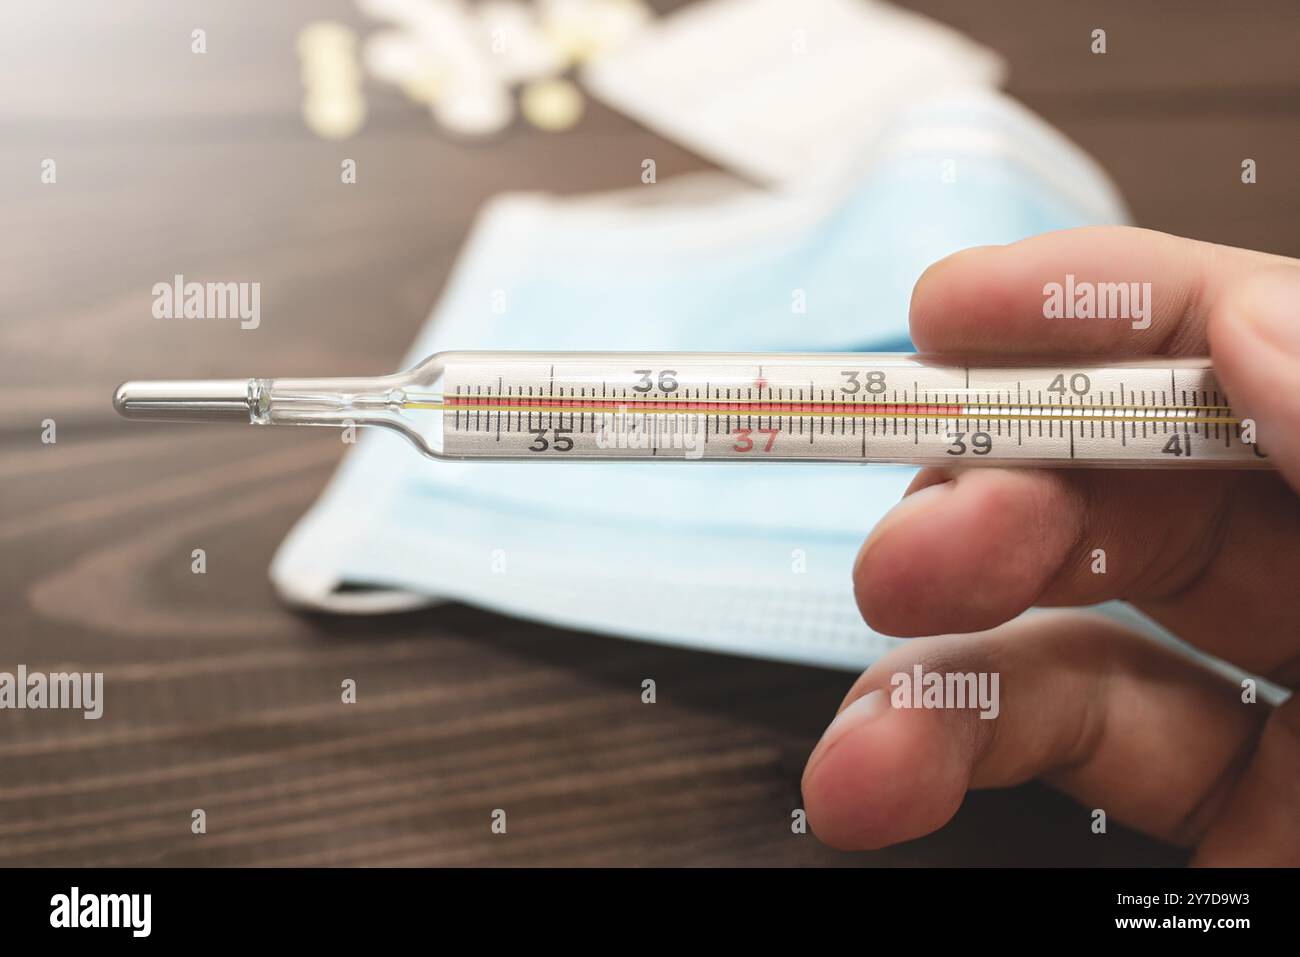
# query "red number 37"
(745, 442)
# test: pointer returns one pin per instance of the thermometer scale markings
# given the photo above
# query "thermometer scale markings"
(781, 408)
(853, 407)
(944, 413)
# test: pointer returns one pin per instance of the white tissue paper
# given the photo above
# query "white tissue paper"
(778, 91)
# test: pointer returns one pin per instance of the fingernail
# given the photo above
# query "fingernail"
(1272, 309)
(862, 711)
(927, 478)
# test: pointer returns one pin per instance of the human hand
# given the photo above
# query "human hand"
(1153, 738)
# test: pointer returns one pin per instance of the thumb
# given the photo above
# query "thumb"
(1254, 334)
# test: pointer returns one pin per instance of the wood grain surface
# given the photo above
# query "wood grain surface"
(220, 698)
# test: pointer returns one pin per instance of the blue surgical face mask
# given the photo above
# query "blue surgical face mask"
(752, 560)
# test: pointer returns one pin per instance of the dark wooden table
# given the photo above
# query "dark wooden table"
(218, 697)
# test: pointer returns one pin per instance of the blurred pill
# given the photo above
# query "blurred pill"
(333, 73)
(332, 107)
(552, 105)
(394, 56)
(323, 37)
(334, 117)
(474, 110)
(425, 86)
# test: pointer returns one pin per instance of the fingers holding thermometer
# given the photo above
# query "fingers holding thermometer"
(1127, 727)
(1123, 292)
(1206, 553)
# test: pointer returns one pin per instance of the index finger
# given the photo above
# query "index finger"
(1056, 293)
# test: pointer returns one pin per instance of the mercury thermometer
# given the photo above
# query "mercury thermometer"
(1152, 412)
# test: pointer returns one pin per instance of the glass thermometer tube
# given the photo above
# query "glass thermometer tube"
(1154, 412)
